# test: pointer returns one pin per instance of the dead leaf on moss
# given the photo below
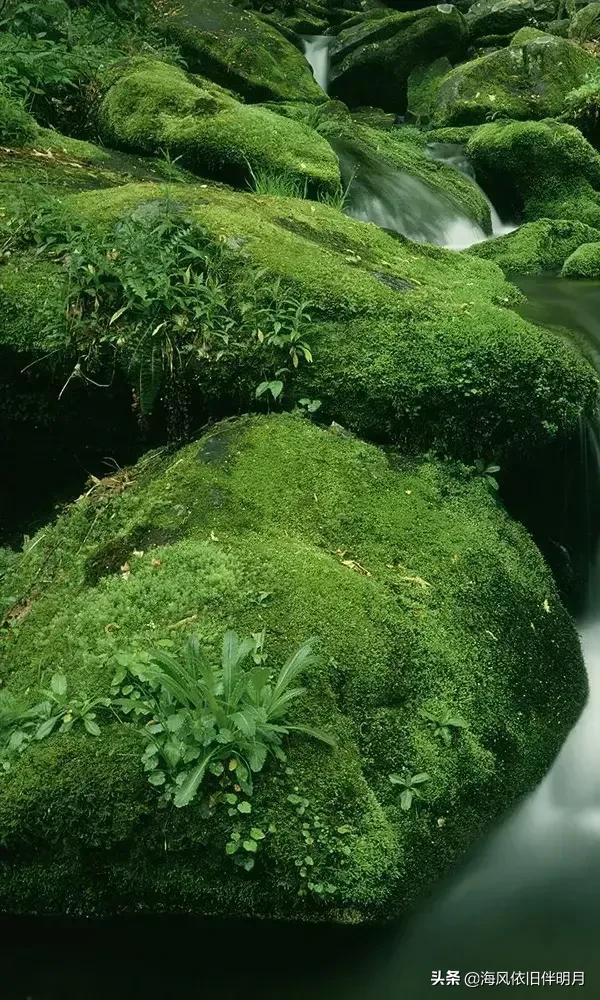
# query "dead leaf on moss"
(351, 563)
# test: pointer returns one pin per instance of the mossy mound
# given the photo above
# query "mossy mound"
(583, 262)
(498, 17)
(538, 170)
(372, 59)
(240, 51)
(411, 343)
(423, 595)
(528, 80)
(582, 109)
(151, 106)
(585, 25)
(537, 247)
(51, 164)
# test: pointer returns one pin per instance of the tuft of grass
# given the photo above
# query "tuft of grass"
(283, 185)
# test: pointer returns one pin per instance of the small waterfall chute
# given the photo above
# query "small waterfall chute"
(402, 203)
(316, 51)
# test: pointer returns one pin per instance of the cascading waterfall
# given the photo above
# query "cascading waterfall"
(454, 156)
(397, 201)
(316, 50)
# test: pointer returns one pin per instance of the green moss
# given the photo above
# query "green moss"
(238, 50)
(583, 262)
(372, 59)
(423, 84)
(412, 343)
(540, 169)
(151, 106)
(585, 26)
(536, 247)
(528, 80)
(582, 109)
(498, 17)
(442, 602)
(51, 164)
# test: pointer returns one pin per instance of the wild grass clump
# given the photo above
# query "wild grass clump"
(282, 185)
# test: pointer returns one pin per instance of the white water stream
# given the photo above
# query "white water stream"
(316, 51)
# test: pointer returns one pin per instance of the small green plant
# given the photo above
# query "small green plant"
(203, 717)
(487, 472)
(20, 725)
(443, 723)
(309, 406)
(411, 787)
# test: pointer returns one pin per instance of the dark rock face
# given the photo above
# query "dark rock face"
(372, 59)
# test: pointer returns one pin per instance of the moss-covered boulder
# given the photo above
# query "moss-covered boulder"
(583, 262)
(239, 50)
(582, 109)
(528, 80)
(498, 17)
(585, 25)
(538, 170)
(151, 106)
(537, 247)
(372, 59)
(423, 596)
(410, 343)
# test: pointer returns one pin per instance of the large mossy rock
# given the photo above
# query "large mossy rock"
(538, 170)
(537, 247)
(372, 59)
(527, 80)
(423, 596)
(151, 106)
(585, 26)
(584, 262)
(499, 17)
(412, 344)
(240, 51)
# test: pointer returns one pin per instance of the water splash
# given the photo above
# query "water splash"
(454, 155)
(401, 203)
(316, 51)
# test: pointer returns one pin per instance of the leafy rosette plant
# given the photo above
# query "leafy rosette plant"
(200, 714)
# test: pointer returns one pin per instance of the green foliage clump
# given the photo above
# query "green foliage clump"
(583, 262)
(425, 597)
(51, 54)
(153, 298)
(200, 717)
(536, 247)
(17, 127)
